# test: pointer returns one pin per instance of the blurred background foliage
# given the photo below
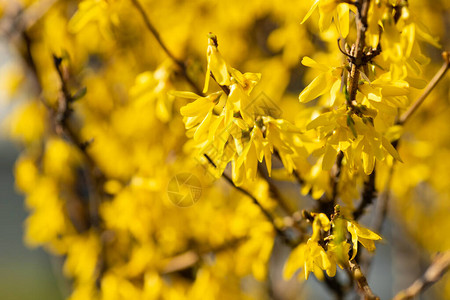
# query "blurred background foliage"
(135, 241)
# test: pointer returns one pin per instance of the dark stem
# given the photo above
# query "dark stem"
(266, 213)
(277, 195)
(95, 179)
(327, 203)
(155, 33)
(358, 49)
(368, 194)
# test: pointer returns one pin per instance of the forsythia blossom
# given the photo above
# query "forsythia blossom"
(226, 128)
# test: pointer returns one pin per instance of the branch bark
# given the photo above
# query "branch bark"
(431, 85)
(95, 179)
(265, 212)
(361, 280)
(191, 257)
(358, 48)
(180, 63)
(433, 274)
(368, 194)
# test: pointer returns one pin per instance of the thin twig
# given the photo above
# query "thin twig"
(433, 274)
(291, 220)
(189, 258)
(358, 60)
(368, 194)
(431, 85)
(297, 176)
(266, 213)
(327, 203)
(59, 125)
(275, 192)
(361, 280)
(95, 179)
(384, 198)
(383, 203)
(62, 128)
(358, 50)
(180, 63)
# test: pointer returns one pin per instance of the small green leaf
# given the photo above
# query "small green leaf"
(351, 125)
(79, 94)
(347, 96)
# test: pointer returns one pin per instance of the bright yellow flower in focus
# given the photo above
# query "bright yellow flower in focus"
(310, 256)
(216, 65)
(330, 9)
(363, 235)
(199, 113)
(328, 81)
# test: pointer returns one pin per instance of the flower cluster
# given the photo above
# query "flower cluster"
(328, 246)
(109, 109)
(226, 125)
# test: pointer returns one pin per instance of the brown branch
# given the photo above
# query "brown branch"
(275, 192)
(63, 129)
(360, 59)
(155, 33)
(383, 203)
(361, 280)
(335, 174)
(431, 85)
(384, 198)
(358, 49)
(294, 217)
(434, 273)
(380, 216)
(294, 172)
(265, 212)
(191, 257)
(95, 179)
(60, 126)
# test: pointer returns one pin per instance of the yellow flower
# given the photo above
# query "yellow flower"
(215, 64)
(355, 135)
(282, 136)
(100, 12)
(330, 9)
(239, 99)
(310, 256)
(198, 114)
(26, 174)
(328, 81)
(363, 235)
